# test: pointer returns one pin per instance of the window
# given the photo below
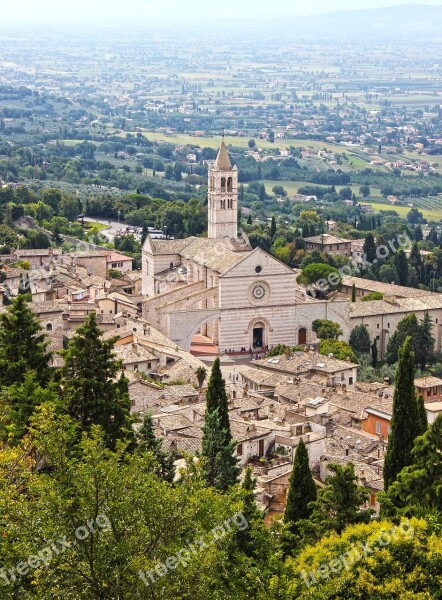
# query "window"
(388, 325)
(258, 269)
(239, 450)
(149, 365)
(350, 381)
(436, 321)
(378, 427)
(377, 325)
(49, 327)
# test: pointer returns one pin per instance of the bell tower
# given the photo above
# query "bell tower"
(223, 196)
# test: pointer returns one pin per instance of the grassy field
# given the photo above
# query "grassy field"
(292, 187)
(431, 214)
(241, 142)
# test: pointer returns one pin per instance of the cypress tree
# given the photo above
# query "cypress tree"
(374, 354)
(370, 248)
(92, 394)
(148, 442)
(302, 488)
(219, 465)
(353, 293)
(425, 340)
(252, 514)
(144, 233)
(249, 219)
(401, 264)
(405, 419)
(423, 420)
(273, 228)
(22, 345)
(415, 257)
(216, 396)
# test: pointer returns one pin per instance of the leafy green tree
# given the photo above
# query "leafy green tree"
(326, 330)
(90, 389)
(21, 400)
(22, 345)
(278, 190)
(302, 489)
(407, 327)
(372, 296)
(340, 350)
(340, 502)
(148, 442)
(201, 374)
(417, 489)
(125, 522)
(326, 278)
(115, 274)
(405, 418)
(364, 190)
(406, 567)
(360, 339)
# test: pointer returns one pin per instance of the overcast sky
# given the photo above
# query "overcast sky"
(160, 11)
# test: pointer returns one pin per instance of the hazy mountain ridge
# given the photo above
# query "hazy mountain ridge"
(407, 19)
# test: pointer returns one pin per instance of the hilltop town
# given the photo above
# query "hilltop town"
(220, 315)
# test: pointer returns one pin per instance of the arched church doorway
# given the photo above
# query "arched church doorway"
(302, 336)
(258, 336)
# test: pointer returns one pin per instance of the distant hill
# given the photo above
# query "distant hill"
(396, 21)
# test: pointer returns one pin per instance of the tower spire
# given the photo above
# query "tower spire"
(222, 160)
(223, 196)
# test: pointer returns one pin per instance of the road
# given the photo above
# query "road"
(113, 228)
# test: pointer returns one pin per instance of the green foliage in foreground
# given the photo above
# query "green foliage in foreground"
(130, 519)
(380, 560)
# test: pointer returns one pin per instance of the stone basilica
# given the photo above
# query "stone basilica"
(218, 286)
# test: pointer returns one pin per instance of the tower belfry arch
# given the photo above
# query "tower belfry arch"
(223, 196)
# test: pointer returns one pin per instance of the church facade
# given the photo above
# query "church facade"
(219, 286)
